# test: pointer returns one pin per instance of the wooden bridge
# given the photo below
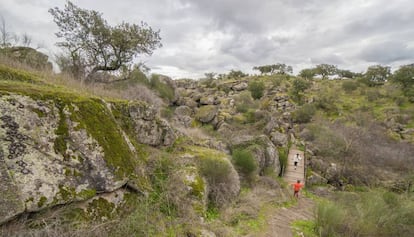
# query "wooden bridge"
(291, 175)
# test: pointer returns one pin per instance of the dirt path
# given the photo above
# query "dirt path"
(280, 220)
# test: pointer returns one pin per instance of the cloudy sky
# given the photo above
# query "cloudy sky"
(200, 36)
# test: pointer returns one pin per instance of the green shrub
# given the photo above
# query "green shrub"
(256, 88)
(244, 161)
(283, 158)
(373, 213)
(329, 218)
(326, 101)
(244, 102)
(222, 180)
(373, 95)
(165, 91)
(299, 86)
(250, 116)
(349, 86)
(215, 169)
(138, 76)
(276, 81)
(304, 114)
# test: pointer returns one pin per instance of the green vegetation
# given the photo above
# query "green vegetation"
(256, 89)
(304, 114)
(340, 120)
(298, 88)
(283, 158)
(11, 74)
(244, 101)
(62, 133)
(164, 90)
(374, 213)
(305, 228)
(244, 161)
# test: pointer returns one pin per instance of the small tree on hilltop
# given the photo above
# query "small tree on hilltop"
(404, 76)
(326, 70)
(256, 89)
(88, 39)
(236, 74)
(377, 75)
(307, 73)
(299, 85)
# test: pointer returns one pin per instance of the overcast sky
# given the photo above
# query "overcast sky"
(200, 36)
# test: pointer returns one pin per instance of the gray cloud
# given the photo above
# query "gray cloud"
(218, 35)
(387, 52)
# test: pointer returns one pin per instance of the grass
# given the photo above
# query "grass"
(373, 213)
(304, 228)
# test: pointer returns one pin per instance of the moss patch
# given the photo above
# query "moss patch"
(101, 209)
(98, 122)
(12, 74)
(42, 201)
(62, 133)
(197, 187)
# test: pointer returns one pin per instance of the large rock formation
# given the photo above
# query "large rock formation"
(55, 151)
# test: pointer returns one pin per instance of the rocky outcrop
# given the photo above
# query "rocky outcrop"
(28, 56)
(239, 86)
(263, 150)
(183, 116)
(206, 113)
(54, 151)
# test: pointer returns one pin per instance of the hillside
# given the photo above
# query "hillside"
(162, 157)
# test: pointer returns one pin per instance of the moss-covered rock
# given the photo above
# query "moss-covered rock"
(70, 152)
(206, 114)
(140, 121)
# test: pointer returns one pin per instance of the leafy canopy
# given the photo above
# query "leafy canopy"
(377, 74)
(90, 41)
(404, 76)
(279, 68)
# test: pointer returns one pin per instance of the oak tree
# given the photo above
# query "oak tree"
(91, 43)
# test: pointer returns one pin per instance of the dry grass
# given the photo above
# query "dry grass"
(135, 92)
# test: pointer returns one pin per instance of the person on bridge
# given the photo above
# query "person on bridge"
(296, 160)
(296, 188)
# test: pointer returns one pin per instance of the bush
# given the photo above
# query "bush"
(329, 219)
(373, 95)
(256, 88)
(326, 101)
(373, 213)
(283, 158)
(223, 181)
(215, 169)
(137, 75)
(349, 86)
(244, 161)
(304, 114)
(164, 90)
(299, 86)
(244, 102)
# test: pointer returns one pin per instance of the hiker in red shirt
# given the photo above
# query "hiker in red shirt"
(296, 188)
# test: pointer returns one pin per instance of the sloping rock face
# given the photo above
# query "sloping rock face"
(54, 152)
